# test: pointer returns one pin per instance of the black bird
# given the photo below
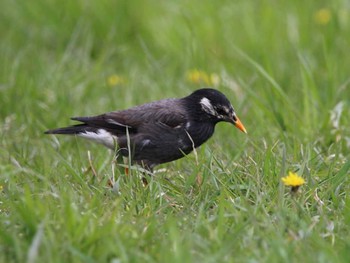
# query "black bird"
(160, 131)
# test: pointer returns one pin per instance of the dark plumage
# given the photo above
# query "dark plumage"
(160, 131)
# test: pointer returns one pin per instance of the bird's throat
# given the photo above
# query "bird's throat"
(200, 132)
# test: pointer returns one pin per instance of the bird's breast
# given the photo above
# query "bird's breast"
(199, 133)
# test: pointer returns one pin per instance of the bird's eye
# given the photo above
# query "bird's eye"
(221, 111)
(234, 117)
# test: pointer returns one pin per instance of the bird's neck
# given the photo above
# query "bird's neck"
(193, 106)
(200, 132)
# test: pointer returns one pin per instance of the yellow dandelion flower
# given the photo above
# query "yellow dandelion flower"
(214, 79)
(194, 76)
(293, 180)
(205, 78)
(201, 77)
(115, 80)
(1, 187)
(323, 16)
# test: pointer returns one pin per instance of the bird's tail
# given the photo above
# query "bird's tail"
(98, 135)
(73, 130)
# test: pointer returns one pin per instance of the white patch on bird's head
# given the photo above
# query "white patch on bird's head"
(207, 106)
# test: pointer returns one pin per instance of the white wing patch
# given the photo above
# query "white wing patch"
(207, 106)
(102, 136)
(145, 142)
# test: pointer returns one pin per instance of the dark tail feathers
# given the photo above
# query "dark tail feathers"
(76, 129)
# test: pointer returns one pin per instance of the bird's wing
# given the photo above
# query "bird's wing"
(142, 118)
(161, 137)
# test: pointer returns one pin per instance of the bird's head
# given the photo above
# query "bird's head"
(211, 104)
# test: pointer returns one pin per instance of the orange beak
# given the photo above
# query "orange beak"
(240, 126)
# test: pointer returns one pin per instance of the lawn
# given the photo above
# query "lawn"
(285, 67)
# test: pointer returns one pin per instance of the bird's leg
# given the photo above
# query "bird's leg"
(119, 159)
(115, 164)
(144, 181)
(147, 171)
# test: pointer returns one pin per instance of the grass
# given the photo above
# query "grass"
(284, 67)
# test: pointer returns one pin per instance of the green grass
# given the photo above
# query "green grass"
(287, 76)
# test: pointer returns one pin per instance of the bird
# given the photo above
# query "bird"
(158, 132)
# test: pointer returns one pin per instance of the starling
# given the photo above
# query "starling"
(160, 131)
